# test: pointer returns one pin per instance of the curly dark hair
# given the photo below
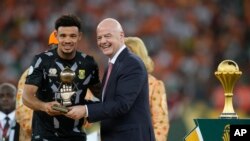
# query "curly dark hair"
(68, 20)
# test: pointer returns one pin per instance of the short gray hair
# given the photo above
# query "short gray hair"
(9, 86)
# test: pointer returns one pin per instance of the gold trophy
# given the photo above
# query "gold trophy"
(228, 73)
(65, 90)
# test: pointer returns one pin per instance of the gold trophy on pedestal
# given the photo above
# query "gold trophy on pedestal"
(228, 73)
(65, 90)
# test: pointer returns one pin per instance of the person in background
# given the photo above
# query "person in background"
(9, 129)
(157, 93)
(24, 113)
(43, 82)
(124, 112)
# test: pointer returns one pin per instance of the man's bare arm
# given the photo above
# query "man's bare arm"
(31, 101)
(29, 98)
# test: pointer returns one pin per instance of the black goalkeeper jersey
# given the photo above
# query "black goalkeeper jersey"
(45, 73)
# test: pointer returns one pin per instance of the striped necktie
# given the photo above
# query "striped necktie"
(6, 128)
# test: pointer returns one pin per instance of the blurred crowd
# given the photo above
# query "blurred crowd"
(187, 40)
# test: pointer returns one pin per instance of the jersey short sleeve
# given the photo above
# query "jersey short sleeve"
(35, 72)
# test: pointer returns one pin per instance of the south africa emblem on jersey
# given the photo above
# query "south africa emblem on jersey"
(81, 74)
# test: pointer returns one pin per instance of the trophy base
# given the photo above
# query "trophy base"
(229, 116)
(60, 108)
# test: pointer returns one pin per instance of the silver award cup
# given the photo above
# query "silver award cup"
(65, 90)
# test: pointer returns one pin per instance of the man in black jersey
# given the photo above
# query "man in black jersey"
(43, 82)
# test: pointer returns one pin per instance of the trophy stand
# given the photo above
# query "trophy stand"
(221, 129)
(228, 73)
(65, 90)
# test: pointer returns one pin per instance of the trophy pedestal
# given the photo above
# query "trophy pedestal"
(229, 116)
(215, 130)
(60, 108)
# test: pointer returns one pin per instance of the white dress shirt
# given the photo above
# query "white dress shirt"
(12, 123)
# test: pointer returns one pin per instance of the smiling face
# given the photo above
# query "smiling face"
(68, 39)
(110, 37)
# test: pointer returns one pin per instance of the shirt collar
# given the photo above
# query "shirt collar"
(10, 115)
(2, 116)
(117, 54)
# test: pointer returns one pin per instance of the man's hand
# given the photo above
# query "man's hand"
(47, 107)
(76, 112)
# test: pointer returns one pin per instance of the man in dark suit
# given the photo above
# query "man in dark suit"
(9, 129)
(124, 112)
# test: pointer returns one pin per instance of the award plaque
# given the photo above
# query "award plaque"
(66, 90)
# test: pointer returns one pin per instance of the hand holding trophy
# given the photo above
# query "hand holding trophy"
(65, 90)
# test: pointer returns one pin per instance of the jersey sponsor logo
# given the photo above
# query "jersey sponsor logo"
(81, 74)
(52, 72)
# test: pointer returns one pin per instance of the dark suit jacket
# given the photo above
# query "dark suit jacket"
(17, 129)
(124, 113)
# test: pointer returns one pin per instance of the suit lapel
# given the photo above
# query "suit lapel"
(17, 129)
